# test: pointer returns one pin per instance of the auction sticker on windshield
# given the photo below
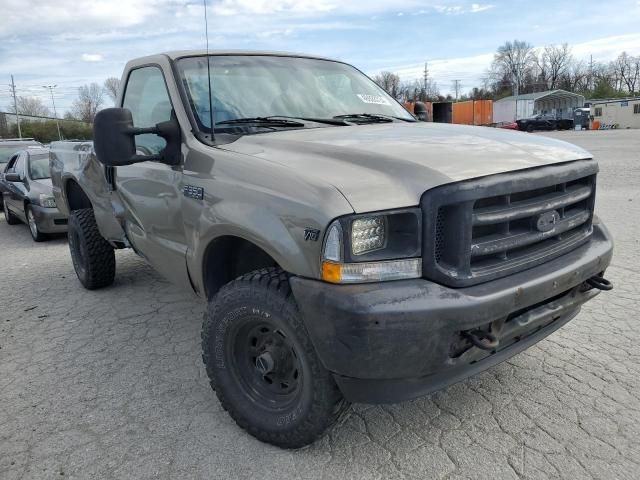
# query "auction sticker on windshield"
(375, 99)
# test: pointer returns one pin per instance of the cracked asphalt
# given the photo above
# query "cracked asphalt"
(109, 384)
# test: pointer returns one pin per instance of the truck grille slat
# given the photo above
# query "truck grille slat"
(478, 230)
(527, 208)
(497, 243)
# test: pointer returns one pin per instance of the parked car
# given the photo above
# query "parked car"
(28, 195)
(347, 252)
(8, 149)
(509, 126)
(544, 122)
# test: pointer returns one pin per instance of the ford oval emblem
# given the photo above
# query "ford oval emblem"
(547, 221)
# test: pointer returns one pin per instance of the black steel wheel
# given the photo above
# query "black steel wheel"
(265, 362)
(262, 365)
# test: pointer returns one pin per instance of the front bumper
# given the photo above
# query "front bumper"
(394, 341)
(49, 220)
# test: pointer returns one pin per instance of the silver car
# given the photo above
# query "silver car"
(27, 194)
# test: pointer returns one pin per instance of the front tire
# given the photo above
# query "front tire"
(8, 216)
(93, 257)
(262, 365)
(36, 234)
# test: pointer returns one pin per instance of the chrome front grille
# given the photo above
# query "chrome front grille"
(490, 227)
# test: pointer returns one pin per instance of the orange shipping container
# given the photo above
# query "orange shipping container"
(483, 112)
(473, 112)
(463, 113)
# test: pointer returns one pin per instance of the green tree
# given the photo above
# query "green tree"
(47, 131)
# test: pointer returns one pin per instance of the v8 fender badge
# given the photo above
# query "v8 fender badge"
(311, 235)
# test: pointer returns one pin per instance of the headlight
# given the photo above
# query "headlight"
(373, 248)
(368, 234)
(47, 201)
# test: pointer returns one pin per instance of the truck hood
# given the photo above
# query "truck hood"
(383, 166)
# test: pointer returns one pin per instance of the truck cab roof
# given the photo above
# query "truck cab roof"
(176, 54)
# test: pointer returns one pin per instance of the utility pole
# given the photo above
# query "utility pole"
(591, 73)
(426, 80)
(55, 114)
(15, 105)
(456, 86)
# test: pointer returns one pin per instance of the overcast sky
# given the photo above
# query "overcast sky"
(73, 42)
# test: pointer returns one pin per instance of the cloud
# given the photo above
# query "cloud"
(476, 7)
(266, 7)
(91, 57)
(459, 9)
(41, 15)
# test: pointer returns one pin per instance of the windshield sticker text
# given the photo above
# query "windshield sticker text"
(375, 99)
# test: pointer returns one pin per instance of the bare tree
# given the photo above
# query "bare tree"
(31, 106)
(88, 103)
(559, 58)
(513, 60)
(626, 70)
(390, 82)
(112, 86)
(576, 78)
(414, 91)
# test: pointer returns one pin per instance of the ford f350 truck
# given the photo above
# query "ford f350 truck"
(347, 252)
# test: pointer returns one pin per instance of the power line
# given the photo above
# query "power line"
(55, 113)
(456, 87)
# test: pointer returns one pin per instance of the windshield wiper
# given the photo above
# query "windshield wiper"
(371, 118)
(262, 121)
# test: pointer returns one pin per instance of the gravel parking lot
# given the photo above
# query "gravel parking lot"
(110, 384)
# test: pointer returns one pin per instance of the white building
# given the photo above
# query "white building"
(619, 113)
(557, 103)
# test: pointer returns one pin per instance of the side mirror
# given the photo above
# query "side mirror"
(13, 177)
(420, 111)
(114, 144)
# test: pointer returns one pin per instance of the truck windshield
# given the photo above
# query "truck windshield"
(253, 86)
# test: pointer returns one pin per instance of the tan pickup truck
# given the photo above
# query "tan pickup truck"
(347, 252)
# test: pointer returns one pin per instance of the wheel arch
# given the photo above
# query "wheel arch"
(229, 256)
(76, 197)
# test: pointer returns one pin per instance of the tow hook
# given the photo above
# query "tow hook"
(599, 282)
(483, 340)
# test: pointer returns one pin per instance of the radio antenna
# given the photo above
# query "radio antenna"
(206, 34)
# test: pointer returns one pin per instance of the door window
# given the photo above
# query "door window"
(147, 98)
(19, 165)
(10, 168)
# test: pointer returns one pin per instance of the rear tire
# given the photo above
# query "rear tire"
(530, 128)
(262, 365)
(93, 257)
(36, 234)
(8, 216)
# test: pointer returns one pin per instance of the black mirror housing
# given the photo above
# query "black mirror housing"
(420, 111)
(114, 144)
(12, 177)
(113, 139)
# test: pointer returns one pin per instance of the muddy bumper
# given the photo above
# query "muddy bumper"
(394, 341)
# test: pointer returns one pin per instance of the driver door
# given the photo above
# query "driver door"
(16, 191)
(151, 190)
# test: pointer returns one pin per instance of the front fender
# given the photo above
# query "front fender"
(279, 235)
